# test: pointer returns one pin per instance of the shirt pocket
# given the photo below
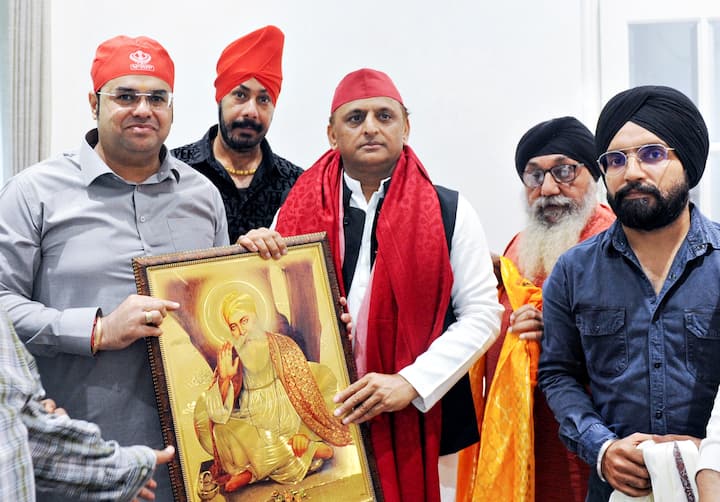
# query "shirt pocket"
(604, 340)
(189, 234)
(702, 337)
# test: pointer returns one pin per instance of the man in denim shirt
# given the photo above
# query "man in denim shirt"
(633, 313)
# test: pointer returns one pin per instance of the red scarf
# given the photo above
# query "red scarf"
(410, 293)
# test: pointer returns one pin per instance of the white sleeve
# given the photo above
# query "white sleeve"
(710, 446)
(477, 310)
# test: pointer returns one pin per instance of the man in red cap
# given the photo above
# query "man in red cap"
(418, 278)
(252, 180)
(69, 228)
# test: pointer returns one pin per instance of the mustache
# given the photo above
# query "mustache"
(636, 186)
(552, 200)
(246, 124)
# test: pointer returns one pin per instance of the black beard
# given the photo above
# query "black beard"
(240, 143)
(643, 214)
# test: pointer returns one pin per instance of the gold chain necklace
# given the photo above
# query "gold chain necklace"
(240, 172)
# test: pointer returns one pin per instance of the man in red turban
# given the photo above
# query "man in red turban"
(418, 279)
(234, 154)
(69, 229)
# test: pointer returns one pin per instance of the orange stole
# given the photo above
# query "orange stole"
(505, 465)
(294, 372)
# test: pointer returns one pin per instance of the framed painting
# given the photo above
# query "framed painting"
(245, 372)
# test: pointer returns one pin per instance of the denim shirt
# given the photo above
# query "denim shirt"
(651, 362)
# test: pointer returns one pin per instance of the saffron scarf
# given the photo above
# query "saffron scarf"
(409, 295)
(507, 435)
(570, 473)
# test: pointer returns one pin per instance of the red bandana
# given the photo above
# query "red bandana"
(410, 293)
(362, 84)
(123, 55)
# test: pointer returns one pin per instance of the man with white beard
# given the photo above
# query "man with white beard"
(556, 162)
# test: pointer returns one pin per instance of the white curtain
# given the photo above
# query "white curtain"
(29, 45)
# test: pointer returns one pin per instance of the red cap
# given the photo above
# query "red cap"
(123, 55)
(362, 84)
(256, 55)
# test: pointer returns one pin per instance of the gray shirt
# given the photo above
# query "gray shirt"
(69, 228)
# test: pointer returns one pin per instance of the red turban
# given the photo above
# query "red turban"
(123, 55)
(362, 84)
(256, 55)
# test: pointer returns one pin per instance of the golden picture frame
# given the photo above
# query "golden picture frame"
(244, 375)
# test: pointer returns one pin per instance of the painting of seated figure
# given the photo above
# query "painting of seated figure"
(245, 373)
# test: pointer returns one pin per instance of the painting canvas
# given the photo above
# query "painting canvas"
(245, 372)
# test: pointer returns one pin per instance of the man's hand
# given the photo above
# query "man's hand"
(136, 317)
(227, 368)
(496, 267)
(147, 492)
(527, 323)
(373, 394)
(624, 468)
(268, 243)
(51, 407)
(299, 444)
(346, 318)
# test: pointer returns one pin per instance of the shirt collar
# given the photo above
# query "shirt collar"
(356, 188)
(92, 166)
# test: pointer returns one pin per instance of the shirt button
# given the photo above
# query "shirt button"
(142, 219)
(657, 365)
(658, 414)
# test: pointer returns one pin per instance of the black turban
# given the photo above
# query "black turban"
(665, 112)
(566, 136)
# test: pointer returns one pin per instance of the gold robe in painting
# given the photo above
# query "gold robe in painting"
(282, 394)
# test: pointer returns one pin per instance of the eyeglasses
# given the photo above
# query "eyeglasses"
(130, 99)
(562, 173)
(614, 162)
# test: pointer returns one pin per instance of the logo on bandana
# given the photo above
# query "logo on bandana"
(141, 61)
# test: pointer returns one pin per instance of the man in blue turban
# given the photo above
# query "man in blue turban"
(633, 312)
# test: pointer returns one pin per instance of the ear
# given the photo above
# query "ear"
(406, 131)
(331, 136)
(94, 104)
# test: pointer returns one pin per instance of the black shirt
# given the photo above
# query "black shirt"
(250, 207)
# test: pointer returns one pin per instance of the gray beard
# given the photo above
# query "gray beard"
(541, 243)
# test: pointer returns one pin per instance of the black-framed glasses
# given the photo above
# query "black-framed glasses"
(128, 98)
(562, 173)
(654, 155)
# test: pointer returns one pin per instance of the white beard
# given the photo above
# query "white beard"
(541, 243)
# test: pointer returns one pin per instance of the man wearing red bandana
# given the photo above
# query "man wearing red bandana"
(69, 228)
(234, 153)
(418, 278)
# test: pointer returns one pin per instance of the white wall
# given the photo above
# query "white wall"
(475, 75)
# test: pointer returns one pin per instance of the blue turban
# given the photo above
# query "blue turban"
(665, 112)
(566, 136)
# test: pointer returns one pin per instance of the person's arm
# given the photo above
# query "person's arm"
(708, 483)
(562, 374)
(476, 308)
(68, 456)
(434, 372)
(46, 330)
(708, 468)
